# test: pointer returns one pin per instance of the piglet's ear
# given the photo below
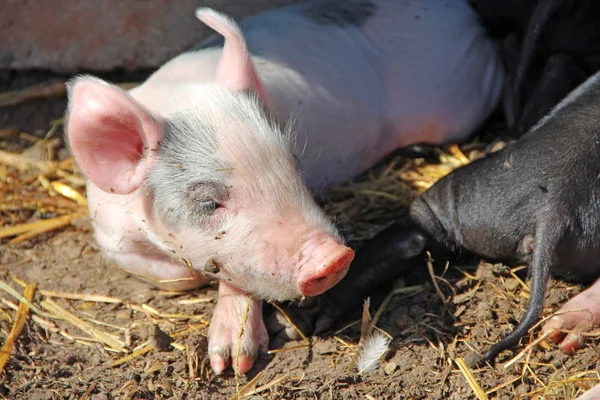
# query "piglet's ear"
(236, 71)
(112, 137)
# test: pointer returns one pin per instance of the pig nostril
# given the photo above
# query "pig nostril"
(317, 285)
(328, 275)
(317, 280)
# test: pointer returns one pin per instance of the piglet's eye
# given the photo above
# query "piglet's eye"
(206, 207)
(203, 197)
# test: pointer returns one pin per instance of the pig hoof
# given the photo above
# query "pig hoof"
(569, 342)
(312, 317)
(593, 393)
(580, 314)
(282, 330)
(224, 334)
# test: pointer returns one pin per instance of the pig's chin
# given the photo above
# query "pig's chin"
(264, 286)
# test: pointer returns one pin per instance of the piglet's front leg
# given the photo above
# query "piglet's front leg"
(225, 326)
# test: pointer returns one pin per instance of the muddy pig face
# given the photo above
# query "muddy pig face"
(205, 178)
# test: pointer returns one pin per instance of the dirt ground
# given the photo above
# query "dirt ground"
(53, 359)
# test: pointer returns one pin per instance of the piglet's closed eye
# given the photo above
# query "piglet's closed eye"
(111, 135)
(204, 197)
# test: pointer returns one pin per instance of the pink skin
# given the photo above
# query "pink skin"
(278, 243)
(592, 394)
(225, 328)
(580, 314)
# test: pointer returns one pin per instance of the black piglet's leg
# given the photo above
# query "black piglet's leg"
(513, 91)
(560, 76)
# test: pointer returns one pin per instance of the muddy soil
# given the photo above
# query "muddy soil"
(53, 359)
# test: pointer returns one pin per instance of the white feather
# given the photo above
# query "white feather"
(373, 348)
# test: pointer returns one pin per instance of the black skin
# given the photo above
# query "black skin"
(549, 47)
(537, 202)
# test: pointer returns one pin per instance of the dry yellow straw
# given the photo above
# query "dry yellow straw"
(18, 325)
(471, 379)
(81, 296)
(268, 385)
(69, 192)
(31, 229)
(240, 393)
(239, 343)
(289, 320)
(133, 355)
(23, 163)
(103, 337)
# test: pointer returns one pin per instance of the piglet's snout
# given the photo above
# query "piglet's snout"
(325, 267)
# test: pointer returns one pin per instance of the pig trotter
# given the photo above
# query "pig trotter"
(224, 331)
(592, 394)
(303, 316)
(580, 314)
(540, 267)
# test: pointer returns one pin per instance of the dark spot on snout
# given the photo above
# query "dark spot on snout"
(543, 188)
